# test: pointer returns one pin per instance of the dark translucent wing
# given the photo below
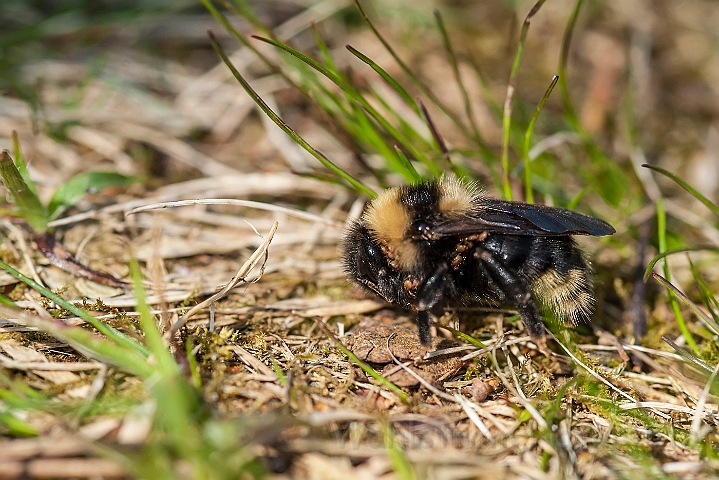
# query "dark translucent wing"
(515, 218)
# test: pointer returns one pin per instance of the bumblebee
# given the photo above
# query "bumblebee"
(444, 243)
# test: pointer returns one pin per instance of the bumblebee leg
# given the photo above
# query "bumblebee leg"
(430, 296)
(423, 324)
(517, 293)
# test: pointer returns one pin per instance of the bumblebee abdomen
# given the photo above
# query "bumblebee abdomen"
(555, 268)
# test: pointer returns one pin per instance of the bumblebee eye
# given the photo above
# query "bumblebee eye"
(419, 229)
(364, 272)
(369, 262)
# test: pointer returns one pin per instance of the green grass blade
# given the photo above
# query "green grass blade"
(604, 176)
(245, 41)
(511, 85)
(112, 334)
(72, 191)
(662, 233)
(6, 301)
(333, 76)
(696, 361)
(356, 184)
(414, 136)
(84, 341)
(12, 426)
(458, 77)
(653, 261)
(529, 195)
(400, 464)
(569, 110)
(177, 401)
(572, 204)
(693, 306)
(407, 71)
(23, 196)
(707, 295)
(155, 344)
(324, 50)
(679, 181)
(416, 177)
(462, 336)
(278, 371)
(244, 10)
(20, 163)
(365, 368)
(386, 76)
(354, 96)
(371, 136)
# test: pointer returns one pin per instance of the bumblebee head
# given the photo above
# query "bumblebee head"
(368, 267)
(400, 219)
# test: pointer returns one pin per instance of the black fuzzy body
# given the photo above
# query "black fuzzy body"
(492, 251)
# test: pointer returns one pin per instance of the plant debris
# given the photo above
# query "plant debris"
(273, 395)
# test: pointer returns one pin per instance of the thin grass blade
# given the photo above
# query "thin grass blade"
(20, 163)
(693, 191)
(693, 306)
(423, 88)
(400, 464)
(511, 85)
(84, 341)
(386, 76)
(710, 301)
(23, 196)
(416, 177)
(458, 77)
(177, 401)
(112, 334)
(354, 96)
(356, 184)
(529, 195)
(662, 255)
(662, 233)
(569, 110)
(365, 368)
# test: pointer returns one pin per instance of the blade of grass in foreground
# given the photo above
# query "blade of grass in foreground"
(28, 203)
(507, 116)
(112, 334)
(85, 342)
(356, 184)
(400, 464)
(178, 403)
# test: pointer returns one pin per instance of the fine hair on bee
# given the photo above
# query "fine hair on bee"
(443, 244)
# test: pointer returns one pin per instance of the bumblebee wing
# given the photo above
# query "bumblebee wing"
(500, 216)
